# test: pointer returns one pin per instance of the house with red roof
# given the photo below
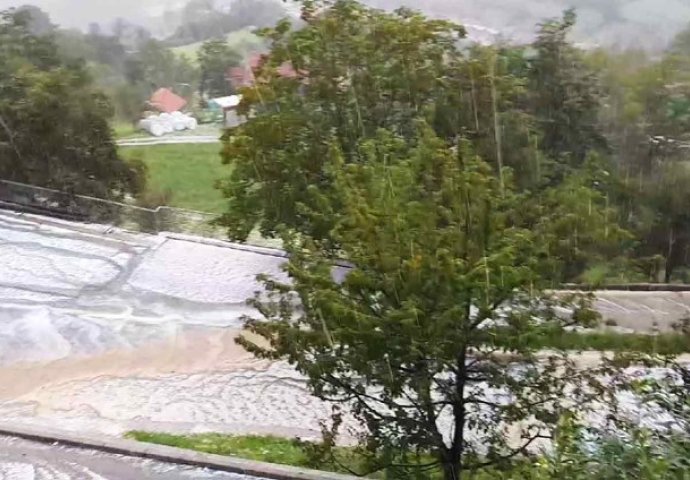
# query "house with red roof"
(244, 76)
(166, 101)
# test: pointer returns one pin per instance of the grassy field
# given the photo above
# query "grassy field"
(261, 448)
(606, 459)
(243, 41)
(668, 343)
(124, 130)
(188, 171)
(264, 449)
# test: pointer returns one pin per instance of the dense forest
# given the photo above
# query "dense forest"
(610, 126)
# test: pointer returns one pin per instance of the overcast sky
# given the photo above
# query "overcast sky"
(642, 23)
(79, 13)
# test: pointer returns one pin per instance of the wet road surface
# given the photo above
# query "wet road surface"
(25, 460)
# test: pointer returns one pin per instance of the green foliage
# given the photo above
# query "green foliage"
(359, 70)
(54, 125)
(129, 74)
(661, 344)
(215, 59)
(155, 66)
(579, 220)
(262, 448)
(434, 257)
(644, 456)
(244, 42)
(188, 171)
(366, 70)
(566, 97)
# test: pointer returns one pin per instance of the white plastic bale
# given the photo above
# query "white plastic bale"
(164, 123)
(157, 130)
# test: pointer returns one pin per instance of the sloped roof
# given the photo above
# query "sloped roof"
(244, 76)
(227, 102)
(164, 100)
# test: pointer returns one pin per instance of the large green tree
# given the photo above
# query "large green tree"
(216, 58)
(348, 73)
(565, 97)
(352, 71)
(646, 117)
(54, 128)
(425, 333)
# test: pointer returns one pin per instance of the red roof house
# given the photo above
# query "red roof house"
(164, 100)
(244, 76)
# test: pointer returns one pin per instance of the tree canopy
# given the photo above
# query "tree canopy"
(427, 325)
(216, 58)
(54, 128)
(359, 70)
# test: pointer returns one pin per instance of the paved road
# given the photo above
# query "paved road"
(24, 460)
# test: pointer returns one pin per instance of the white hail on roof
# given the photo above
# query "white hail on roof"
(227, 102)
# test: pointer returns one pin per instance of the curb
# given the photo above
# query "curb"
(172, 140)
(132, 448)
(214, 242)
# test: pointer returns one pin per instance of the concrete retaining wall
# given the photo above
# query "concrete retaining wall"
(172, 455)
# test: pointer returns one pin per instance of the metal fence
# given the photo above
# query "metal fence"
(55, 203)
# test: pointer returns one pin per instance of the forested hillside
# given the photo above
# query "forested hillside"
(597, 138)
(648, 24)
(640, 23)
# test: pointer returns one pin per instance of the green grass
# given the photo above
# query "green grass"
(253, 447)
(261, 448)
(611, 457)
(188, 171)
(243, 41)
(125, 130)
(663, 343)
(667, 343)
(270, 449)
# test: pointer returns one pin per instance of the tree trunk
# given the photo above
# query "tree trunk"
(452, 471)
(474, 103)
(497, 122)
(10, 137)
(669, 257)
(452, 462)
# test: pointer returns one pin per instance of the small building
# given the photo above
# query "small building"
(227, 105)
(165, 100)
(244, 76)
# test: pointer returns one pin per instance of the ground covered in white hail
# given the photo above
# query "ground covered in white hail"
(25, 460)
(104, 331)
